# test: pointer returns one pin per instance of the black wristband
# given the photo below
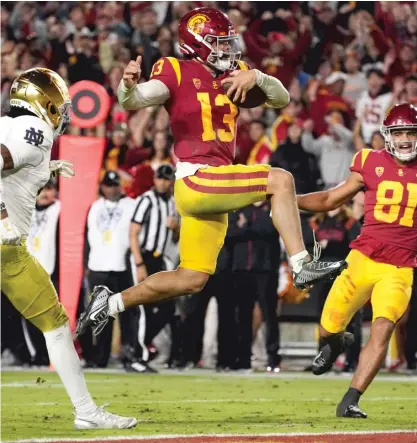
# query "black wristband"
(138, 265)
(2, 206)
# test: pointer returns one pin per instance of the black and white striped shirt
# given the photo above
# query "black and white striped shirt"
(151, 213)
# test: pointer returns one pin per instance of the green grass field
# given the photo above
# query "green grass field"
(34, 405)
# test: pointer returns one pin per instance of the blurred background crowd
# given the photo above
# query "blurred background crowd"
(344, 63)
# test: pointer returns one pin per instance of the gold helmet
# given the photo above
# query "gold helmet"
(43, 92)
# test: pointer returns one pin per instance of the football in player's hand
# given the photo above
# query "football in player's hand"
(254, 97)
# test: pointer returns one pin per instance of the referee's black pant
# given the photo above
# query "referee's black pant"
(97, 352)
(154, 316)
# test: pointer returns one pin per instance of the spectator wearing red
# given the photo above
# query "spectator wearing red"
(402, 62)
(284, 56)
(289, 115)
(262, 148)
(118, 147)
(143, 174)
(326, 99)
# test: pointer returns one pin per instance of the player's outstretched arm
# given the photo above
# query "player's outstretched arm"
(132, 95)
(333, 198)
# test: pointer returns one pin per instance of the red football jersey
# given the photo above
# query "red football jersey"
(389, 233)
(202, 118)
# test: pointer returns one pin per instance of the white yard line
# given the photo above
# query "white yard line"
(221, 400)
(197, 436)
(202, 375)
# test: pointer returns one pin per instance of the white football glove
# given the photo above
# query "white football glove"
(9, 234)
(63, 168)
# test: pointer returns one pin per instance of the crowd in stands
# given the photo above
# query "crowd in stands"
(344, 63)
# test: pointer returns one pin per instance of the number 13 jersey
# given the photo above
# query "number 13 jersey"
(389, 233)
(202, 118)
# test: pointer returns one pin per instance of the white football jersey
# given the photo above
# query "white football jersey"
(29, 140)
(373, 111)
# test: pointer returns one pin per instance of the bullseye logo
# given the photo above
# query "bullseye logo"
(90, 104)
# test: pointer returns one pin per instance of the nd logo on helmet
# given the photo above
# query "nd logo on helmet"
(197, 22)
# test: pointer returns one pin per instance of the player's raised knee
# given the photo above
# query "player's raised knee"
(279, 179)
(194, 281)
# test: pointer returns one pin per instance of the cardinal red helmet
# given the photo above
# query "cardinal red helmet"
(208, 35)
(402, 122)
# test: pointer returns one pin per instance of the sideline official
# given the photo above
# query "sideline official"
(154, 228)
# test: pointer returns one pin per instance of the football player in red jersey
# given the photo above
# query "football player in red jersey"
(208, 185)
(383, 256)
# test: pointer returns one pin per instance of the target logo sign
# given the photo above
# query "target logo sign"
(90, 104)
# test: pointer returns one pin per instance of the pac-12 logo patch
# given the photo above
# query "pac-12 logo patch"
(379, 170)
(34, 137)
(197, 22)
(197, 83)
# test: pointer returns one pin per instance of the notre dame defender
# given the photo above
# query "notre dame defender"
(40, 104)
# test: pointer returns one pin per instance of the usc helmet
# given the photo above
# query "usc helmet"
(400, 118)
(208, 35)
(43, 92)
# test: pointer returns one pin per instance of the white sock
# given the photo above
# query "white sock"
(297, 260)
(116, 304)
(65, 361)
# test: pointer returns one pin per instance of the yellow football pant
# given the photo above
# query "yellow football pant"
(29, 288)
(387, 286)
(203, 201)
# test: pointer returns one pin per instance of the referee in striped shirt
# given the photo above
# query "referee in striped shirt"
(153, 228)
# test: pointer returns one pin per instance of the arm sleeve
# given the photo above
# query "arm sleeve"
(151, 93)
(28, 141)
(163, 84)
(277, 95)
(142, 209)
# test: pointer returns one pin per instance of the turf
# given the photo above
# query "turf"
(34, 405)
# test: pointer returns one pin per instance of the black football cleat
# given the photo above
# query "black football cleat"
(97, 314)
(350, 411)
(325, 359)
(315, 271)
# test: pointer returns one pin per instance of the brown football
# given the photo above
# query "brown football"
(254, 97)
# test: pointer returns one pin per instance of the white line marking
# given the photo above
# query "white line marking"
(44, 384)
(197, 436)
(223, 400)
(199, 374)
